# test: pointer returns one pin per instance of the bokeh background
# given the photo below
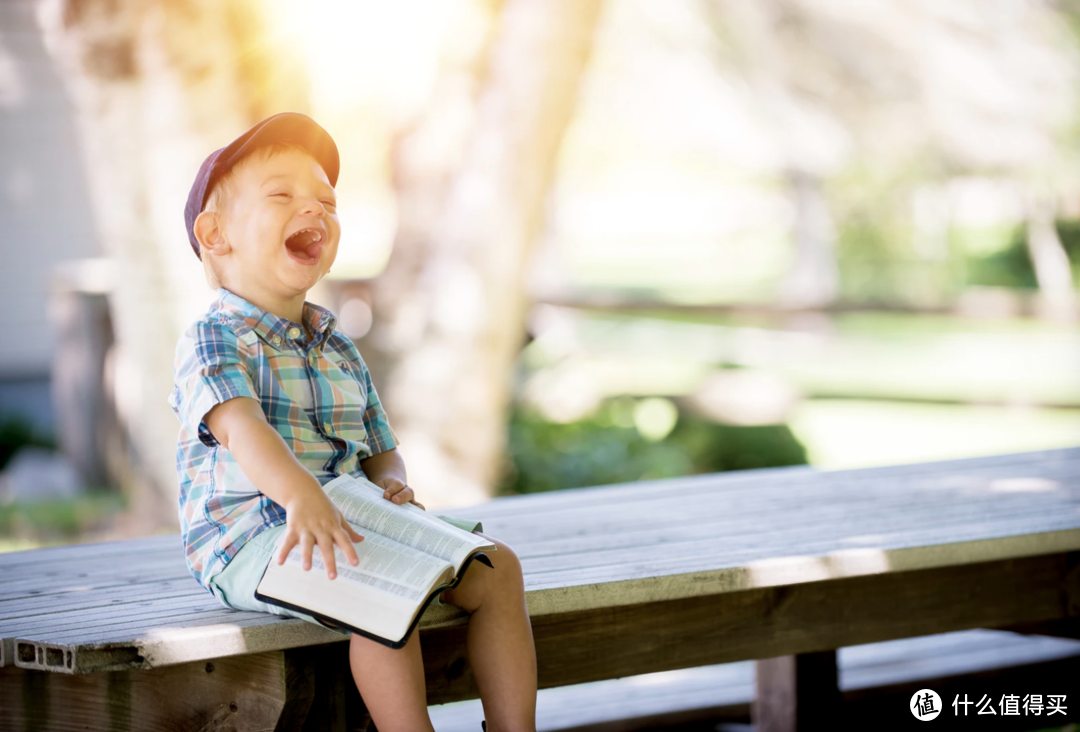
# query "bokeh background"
(583, 242)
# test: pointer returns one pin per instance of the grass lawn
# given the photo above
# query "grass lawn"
(54, 522)
(849, 433)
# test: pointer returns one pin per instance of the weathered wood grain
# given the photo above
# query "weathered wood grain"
(590, 549)
(783, 479)
(700, 709)
(814, 560)
(767, 622)
(796, 692)
(166, 543)
(93, 598)
(724, 692)
(101, 622)
(246, 693)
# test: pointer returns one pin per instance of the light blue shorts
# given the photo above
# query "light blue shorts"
(234, 586)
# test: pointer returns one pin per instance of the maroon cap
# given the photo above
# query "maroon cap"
(291, 127)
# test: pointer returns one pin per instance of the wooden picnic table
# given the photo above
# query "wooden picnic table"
(784, 564)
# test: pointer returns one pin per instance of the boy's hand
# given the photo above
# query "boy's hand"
(240, 425)
(397, 492)
(313, 520)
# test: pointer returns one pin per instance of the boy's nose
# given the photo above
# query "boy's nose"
(313, 206)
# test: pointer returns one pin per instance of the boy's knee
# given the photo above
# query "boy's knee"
(507, 563)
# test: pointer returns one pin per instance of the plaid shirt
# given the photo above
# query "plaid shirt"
(316, 393)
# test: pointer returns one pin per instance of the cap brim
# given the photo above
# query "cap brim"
(288, 127)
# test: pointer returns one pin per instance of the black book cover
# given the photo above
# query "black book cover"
(334, 623)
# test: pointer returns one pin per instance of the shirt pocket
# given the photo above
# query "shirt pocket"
(349, 405)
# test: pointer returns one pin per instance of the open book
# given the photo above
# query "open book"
(407, 557)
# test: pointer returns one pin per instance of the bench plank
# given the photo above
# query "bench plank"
(165, 543)
(751, 530)
(106, 619)
(1035, 462)
(913, 503)
(246, 693)
(726, 691)
(88, 599)
(651, 578)
(766, 622)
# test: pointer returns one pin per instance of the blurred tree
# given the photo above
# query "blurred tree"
(814, 278)
(472, 176)
(753, 39)
(879, 99)
(1050, 260)
(156, 87)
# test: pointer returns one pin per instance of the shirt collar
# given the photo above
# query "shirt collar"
(273, 329)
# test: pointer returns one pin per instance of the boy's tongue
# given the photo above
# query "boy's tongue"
(305, 245)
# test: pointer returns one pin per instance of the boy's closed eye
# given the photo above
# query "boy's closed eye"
(326, 202)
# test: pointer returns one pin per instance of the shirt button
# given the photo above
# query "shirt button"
(311, 358)
(277, 340)
(294, 332)
(328, 428)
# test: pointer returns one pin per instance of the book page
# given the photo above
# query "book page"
(380, 595)
(362, 504)
(384, 565)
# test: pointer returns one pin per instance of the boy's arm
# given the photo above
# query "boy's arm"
(387, 470)
(241, 427)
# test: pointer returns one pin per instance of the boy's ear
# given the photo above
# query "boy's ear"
(209, 232)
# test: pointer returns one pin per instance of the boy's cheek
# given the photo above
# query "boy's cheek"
(329, 255)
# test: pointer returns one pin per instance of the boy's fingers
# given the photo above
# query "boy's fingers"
(347, 527)
(286, 546)
(326, 548)
(307, 541)
(403, 496)
(347, 547)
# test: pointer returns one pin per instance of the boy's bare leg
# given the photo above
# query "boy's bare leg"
(500, 643)
(391, 682)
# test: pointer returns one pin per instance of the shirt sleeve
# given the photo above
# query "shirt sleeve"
(210, 368)
(380, 436)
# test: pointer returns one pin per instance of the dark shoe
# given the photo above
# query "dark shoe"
(483, 725)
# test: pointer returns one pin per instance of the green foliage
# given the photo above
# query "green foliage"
(16, 433)
(1011, 265)
(60, 519)
(876, 255)
(546, 456)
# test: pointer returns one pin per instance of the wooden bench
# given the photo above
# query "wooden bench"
(874, 679)
(783, 564)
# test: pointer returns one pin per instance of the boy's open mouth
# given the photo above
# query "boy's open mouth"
(305, 245)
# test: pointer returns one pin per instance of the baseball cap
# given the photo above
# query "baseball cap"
(291, 127)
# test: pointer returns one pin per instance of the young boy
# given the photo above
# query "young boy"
(273, 403)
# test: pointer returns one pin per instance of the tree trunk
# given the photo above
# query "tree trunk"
(1057, 297)
(813, 281)
(449, 311)
(156, 87)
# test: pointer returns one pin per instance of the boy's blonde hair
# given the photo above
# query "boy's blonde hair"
(220, 196)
